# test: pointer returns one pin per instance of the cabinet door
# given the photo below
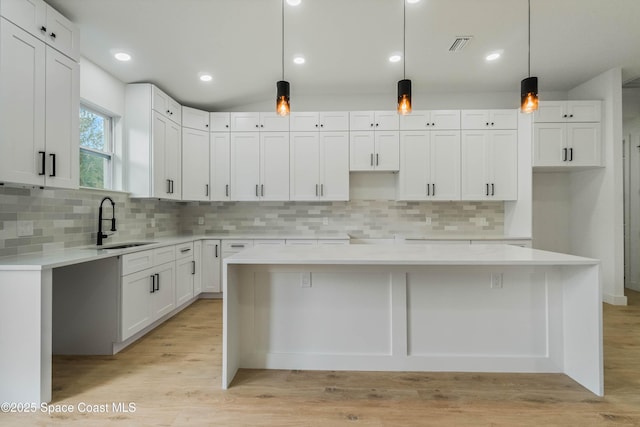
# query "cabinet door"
(387, 151)
(444, 164)
(161, 183)
(195, 119)
(195, 164)
(22, 105)
(173, 159)
(474, 119)
(245, 166)
(245, 122)
(503, 159)
(584, 111)
(417, 120)
(583, 140)
(503, 119)
(137, 311)
(274, 165)
(175, 111)
(197, 277)
(549, 144)
(185, 271)
(445, 119)
(414, 171)
(219, 122)
(550, 112)
(62, 34)
(334, 166)
(361, 150)
(361, 120)
(61, 130)
(30, 15)
(305, 166)
(220, 165)
(474, 165)
(164, 298)
(334, 121)
(386, 120)
(211, 266)
(273, 122)
(160, 101)
(304, 121)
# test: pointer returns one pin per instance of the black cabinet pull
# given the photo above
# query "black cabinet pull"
(257, 190)
(193, 267)
(53, 164)
(371, 159)
(377, 159)
(42, 160)
(487, 123)
(571, 154)
(433, 189)
(206, 191)
(428, 190)
(570, 115)
(316, 189)
(321, 125)
(487, 190)
(157, 282)
(168, 186)
(262, 190)
(216, 251)
(564, 154)
(493, 189)
(206, 125)
(153, 284)
(43, 29)
(171, 186)
(257, 126)
(226, 190)
(316, 125)
(226, 126)
(53, 35)
(428, 124)
(564, 115)
(185, 250)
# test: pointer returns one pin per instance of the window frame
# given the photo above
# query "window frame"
(109, 142)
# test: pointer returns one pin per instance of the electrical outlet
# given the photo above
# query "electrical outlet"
(305, 280)
(496, 280)
(200, 220)
(24, 228)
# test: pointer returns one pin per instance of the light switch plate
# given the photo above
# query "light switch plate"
(305, 280)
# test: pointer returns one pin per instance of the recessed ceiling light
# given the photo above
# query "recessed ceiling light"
(122, 56)
(493, 56)
(299, 59)
(206, 77)
(395, 57)
(294, 2)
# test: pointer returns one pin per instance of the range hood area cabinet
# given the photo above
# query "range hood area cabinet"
(39, 96)
(154, 143)
(567, 135)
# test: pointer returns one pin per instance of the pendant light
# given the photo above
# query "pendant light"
(404, 85)
(282, 87)
(529, 86)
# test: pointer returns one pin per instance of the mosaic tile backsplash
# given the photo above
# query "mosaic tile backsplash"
(68, 218)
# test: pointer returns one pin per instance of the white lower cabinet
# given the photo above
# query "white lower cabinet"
(185, 273)
(211, 266)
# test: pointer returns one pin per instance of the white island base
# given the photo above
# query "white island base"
(474, 308)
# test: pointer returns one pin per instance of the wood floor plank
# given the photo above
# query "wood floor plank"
(173, 376)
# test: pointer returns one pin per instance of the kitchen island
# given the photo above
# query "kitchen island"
(474, 308)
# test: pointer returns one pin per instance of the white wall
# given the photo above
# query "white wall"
(596, 212)
(104, 92)
(551, 210)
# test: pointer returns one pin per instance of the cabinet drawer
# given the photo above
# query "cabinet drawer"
(268, 242)
(333, 242)
(184, 250)
(162, 255)
(137, 261)
(233, 246)
(302, 242)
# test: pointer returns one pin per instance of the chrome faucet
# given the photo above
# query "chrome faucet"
(102, 235)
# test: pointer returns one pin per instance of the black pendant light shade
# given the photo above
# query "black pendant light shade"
(404, 96)
(529, 95)
(282, 98)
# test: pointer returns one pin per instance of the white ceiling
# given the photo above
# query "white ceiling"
(347, 43)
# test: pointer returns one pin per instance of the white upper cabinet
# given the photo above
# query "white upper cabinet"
(374, 151)
(220, 150)
(220, 122)
(567, 134)
(429, 165)
(259, 122)
(489, 119)
(154, 144)
(319, 166)
(489, 165)
(45, 23)
(568, 111)
(374, 120)
(195, 119)
(435, 119)
(322, 121)
(167, 106)
(39, 105)
(195, 164)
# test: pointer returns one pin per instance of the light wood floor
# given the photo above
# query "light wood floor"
(173, 377)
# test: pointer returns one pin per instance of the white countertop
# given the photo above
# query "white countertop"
(419, 254)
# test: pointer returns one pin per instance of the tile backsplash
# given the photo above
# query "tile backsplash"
(68, 218)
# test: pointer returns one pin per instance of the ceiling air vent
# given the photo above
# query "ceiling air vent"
(459, 43)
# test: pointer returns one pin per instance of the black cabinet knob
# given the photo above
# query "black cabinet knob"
(43, 29)
(53, 35)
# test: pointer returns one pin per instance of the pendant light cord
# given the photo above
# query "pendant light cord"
(529, 40)
(282, 39)
(404, 38)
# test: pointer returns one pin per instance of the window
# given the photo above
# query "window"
(96, 148)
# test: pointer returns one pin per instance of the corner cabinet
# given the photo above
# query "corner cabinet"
(429, 165)
(154, 143)
(39, 105)
(489, 160)
(567, 134)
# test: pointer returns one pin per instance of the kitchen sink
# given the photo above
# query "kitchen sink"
(124, 245)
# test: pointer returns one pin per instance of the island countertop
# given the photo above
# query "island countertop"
(419, 254)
